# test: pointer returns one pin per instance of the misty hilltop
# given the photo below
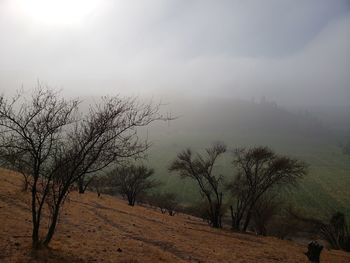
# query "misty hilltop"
(240, 123)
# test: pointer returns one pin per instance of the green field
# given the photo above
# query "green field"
(324, 190)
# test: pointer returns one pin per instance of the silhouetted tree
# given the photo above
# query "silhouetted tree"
(264, 210)
(13, 160)
(98, 183)
(259, 169)
(198, 209)
(83, 183)
(133, 180)
(167, 202)
(57, 146)
(200, 169)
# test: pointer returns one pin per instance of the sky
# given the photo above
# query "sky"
(295, 52)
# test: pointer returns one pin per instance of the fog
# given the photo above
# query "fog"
(243, 72)
(296, 53)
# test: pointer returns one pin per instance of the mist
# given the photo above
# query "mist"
(296, 53)
(159, 120)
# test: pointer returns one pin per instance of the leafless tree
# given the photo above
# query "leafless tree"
(200, 169)
(263, 212)
(98, 183)
(259, 169)
(57, 146)
(15, 161)
(166, 202)
(133, 180)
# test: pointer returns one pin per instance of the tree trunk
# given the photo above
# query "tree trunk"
(215, 222)
(35, 236)
(232, 218)
(213, 213)
(81, 185)
(131, 200)
(53, 224)
(248, 217)
(247, 221)
(235, 220)
(219, 209)
(52, 228)
(215, 217)
(35, 221)
(261, 230)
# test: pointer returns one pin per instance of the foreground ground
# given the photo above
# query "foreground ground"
(105, 229)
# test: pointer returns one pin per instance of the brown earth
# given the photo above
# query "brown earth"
(106, 229)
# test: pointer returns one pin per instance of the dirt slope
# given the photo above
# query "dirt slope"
(93, 229)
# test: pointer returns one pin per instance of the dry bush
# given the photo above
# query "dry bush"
(166, 202)
(285, 225)
(132, 181)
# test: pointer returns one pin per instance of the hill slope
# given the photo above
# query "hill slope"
(243, 124)
(93, 229)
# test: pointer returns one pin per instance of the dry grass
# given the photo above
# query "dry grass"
(106, 229)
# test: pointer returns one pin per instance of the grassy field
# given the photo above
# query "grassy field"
(324, 190)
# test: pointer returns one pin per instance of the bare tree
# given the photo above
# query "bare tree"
(15, 161)
(83, 183)
(259, 169)
(263, 212)
(198, 209)
(133, 180)
(30, 131)
(98, 183)
(57, 147)
(200, 169)
(167, 202)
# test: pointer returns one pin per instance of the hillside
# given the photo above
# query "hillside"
(243, 124)
(105, 229)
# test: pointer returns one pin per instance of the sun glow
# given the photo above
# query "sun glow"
(56, 12)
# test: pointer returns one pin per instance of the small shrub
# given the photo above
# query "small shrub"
(167, 202)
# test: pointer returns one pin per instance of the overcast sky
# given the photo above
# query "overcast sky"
(294, 52)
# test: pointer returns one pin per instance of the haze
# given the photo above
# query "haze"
(292, 52)
(228, 114)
